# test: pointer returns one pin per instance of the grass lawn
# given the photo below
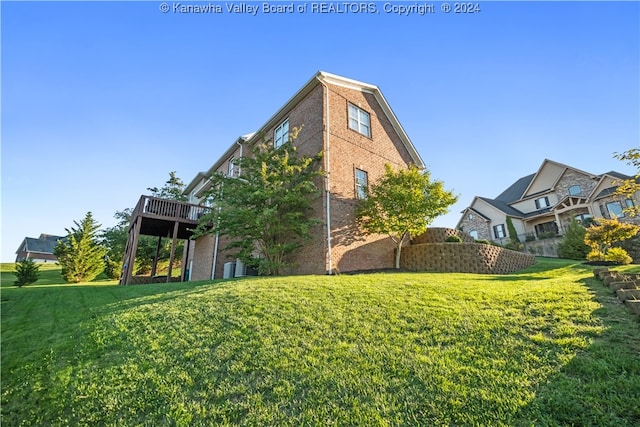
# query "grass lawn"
(545, 346)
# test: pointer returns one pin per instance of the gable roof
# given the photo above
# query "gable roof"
(43, 244)
(516, 191)
(321, 77)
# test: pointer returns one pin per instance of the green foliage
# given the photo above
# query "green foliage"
(514, 240)
(630, 187)
(115, 238)
(618, 256)
(546, 346)
(403, 203)
(173, 189)
(572, 245)
(80, 255)
(27, 272)
(112, 268)
(266, 210)
(602, 235)
(453, 239)
(483, 241)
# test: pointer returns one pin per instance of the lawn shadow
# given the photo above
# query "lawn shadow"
(596, 386)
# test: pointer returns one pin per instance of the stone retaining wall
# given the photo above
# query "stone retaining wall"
(626, 286)
(439, 235)
(463, 258)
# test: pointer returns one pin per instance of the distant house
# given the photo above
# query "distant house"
(542, 204)
(38, 250)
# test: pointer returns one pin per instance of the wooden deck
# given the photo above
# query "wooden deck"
(153, 216)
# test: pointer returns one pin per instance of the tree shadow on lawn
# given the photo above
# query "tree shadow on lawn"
(600, 385)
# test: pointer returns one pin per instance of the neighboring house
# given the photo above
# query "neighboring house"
(38, 250)
(542, 204)
(358, 133)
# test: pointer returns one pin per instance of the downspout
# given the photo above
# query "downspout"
(215, 257)
(328, 178)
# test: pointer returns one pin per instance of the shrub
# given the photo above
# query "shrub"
(595, 255)
(27, 272)
(618, 255)
(572, 245)
(453, 239)
(530, 237)
(113, 269)
(483, 241)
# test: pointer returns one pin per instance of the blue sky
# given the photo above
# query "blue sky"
(101, 100)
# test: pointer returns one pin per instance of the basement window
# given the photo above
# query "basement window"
(359, 120)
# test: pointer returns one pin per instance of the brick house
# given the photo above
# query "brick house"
(542, 204)
(358, 133)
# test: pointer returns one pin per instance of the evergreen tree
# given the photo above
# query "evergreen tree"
(27, 272)
(80, 255)
(572, 245)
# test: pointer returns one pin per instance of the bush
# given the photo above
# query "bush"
(483, 241)
(595, 255)
(572, 245)
(27, 272)
(618, 255)
(113, 269)
(453, 239)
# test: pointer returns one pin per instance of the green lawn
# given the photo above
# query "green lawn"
(546, 346)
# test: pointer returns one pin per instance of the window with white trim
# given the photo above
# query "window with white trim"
(231, 167)
(542, 202)
(499, 231)
(361, 184)
(474, 234)
(359, 120)
(281, 134)
(575, 190)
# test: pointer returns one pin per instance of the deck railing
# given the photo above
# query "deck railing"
(168, 209)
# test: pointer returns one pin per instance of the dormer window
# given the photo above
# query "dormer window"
(281, 134)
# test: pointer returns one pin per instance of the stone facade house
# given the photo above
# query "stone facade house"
(352, 124)
(542, 205)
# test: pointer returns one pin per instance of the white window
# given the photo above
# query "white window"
(542, 203)
(359, 120)
(499, 231)
(574, 190)
(361, 184)
(474, 234)
(231, 167)
(281, 134)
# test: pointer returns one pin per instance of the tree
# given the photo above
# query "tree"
(602, 235)
(173, 189)
(572, 245)
(629, 187)
(27, 272)
(265, 212)
(80, 255)
(403, 203)
(115, 238)
(514, 241)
